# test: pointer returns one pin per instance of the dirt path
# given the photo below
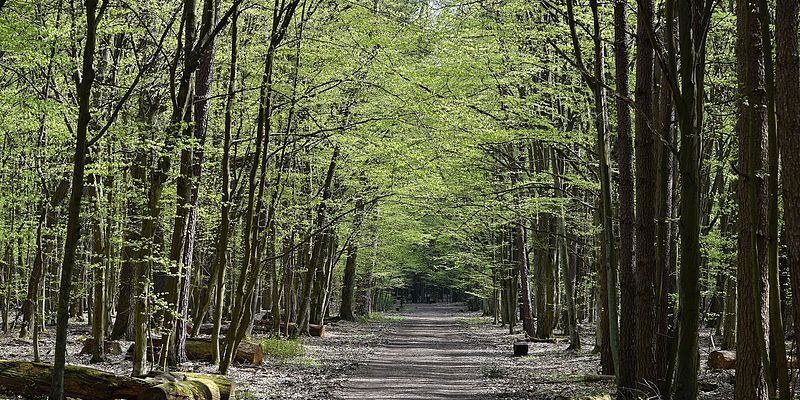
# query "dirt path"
(427, 357)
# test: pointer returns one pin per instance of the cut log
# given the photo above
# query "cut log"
(112, 347)
(520, 349)
(313, 329)
(30, 379)
(249, 352)
(722, 359)
(726, 359)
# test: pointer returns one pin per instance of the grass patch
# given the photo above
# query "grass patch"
(474, 320)
(380, 317)
(282, 349)
(307, 362)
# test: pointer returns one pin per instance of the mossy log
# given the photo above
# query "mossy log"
(726, 359)
(112, 347)
(195, 389)
(249, 352)
(32, 380)
(227, 389)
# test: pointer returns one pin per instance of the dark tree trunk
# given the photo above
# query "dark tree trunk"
(83, 92)
(788, 123)
(645, 180)
(627, 329)
(349, 279)
(752, 261)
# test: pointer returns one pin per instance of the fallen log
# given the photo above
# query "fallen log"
(227, 389)
(217, 386)
(726, 359)
(249, 352)
(30, 379)
(112, 347)
(196, 389)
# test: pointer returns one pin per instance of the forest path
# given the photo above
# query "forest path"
(427, 357)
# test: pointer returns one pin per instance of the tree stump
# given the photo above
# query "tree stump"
(521, 349)
(726, 359)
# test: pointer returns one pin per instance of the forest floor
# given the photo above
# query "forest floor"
(424, 352)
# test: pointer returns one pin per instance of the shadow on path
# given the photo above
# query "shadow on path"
(427, 357)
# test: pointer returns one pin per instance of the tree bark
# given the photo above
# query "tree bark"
(627, 329)
(787, 96)
(645, 181)
(752, 261)
(83, 93)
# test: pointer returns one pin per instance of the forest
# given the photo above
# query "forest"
(402, 192)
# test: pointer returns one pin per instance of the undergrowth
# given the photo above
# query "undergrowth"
(282, 349)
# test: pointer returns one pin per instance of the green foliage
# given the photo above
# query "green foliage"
(282, 349)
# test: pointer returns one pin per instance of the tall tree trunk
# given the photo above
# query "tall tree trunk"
(98, 270)
(627, 329)
(751, 365)
(687, 91)
(123, 324)
(48, 218)
(645, 181)
(349, 279)
(787, 70)
(780, 372)
(664, 247)
(318, 247)
(83, 93)
(519, 250)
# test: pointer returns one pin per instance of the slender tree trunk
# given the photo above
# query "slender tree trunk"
(519, 255)
(123, 324)
(349, 279)
(780, 372)
(318, 247)
(83, 93)
(98, 271)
